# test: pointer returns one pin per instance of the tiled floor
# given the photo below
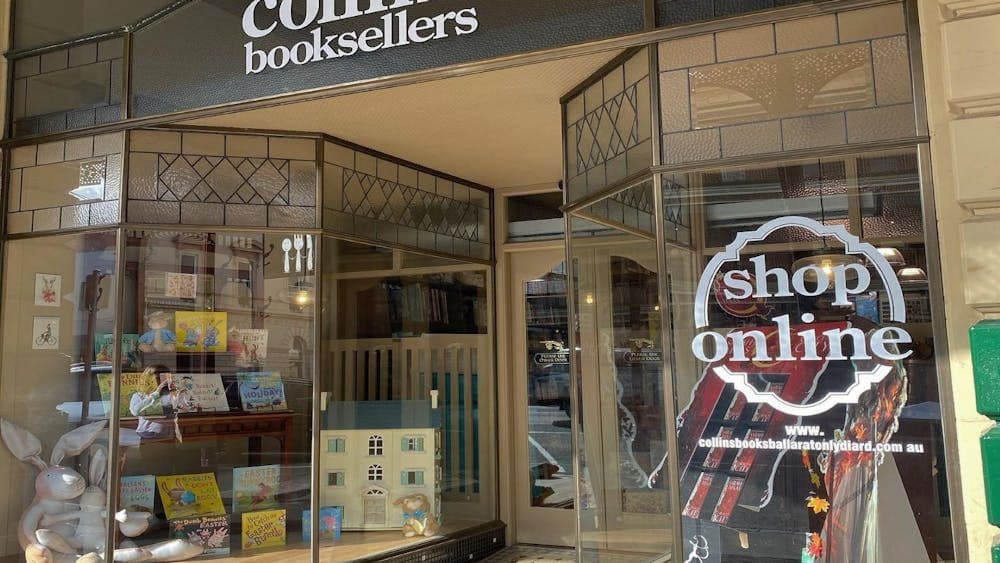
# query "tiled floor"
(534, 554)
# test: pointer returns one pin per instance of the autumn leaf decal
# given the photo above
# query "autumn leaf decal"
(815, 547)
(818, 504)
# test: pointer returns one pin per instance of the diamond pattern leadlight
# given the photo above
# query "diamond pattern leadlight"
(676, 211)
(249, 190)
(608, 131)
(223, 180)
(386, 201)
(609, 128)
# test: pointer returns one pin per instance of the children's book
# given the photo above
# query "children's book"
(250, 345)
(136, 394)
(254, 487)
(199, 331)
(190, 495)
(195, 392)
(104, 348)
(330, 519)
(262, 391)
(211, 532)
(265, 528)
(137, 493)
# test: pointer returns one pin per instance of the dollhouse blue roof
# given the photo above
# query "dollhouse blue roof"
(364, 415)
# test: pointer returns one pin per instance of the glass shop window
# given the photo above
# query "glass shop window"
(535, 217)
(805, 365)
(58, 305)
(406, 372)
(216, 390)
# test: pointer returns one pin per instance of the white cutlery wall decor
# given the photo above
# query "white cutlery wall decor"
(298, 249)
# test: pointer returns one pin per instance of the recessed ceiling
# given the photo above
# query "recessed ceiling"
(500, 128)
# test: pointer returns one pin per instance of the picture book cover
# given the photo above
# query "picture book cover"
(200, 331)
(250, 345)
(135, 389)
(254, 487)
(262, 391)
(195, 392)
(211, 532)
(265, 528)
(137, 493)
(330, 519)
(104, 348)
(190, 495)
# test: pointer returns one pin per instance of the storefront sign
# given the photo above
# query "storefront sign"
(211, 52)
(396, 28)
(641, 351)
(556, 353)
(806, 341)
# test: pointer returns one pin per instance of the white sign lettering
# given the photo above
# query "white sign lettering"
(396, 29)
(762, 281)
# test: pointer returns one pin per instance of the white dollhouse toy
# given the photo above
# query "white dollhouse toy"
(375, 452)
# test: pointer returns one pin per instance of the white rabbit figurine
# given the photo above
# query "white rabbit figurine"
(44, 532)
(92, 517)
(54, 486)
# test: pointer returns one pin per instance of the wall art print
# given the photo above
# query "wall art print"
(45, 333)
(48, 290)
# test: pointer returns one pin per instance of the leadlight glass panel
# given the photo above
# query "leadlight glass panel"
(199, 178)
(67, 184)
(381, 200)
(608, 135)
(65, 89)
(826, 80)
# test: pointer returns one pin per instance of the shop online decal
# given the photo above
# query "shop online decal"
(803, 341)
(397, 27)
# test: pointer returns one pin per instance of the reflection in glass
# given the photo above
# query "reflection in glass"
(407, 389)
(58, 302)
(216, 388)
(624, 485)
(861, 481)
(550, 461)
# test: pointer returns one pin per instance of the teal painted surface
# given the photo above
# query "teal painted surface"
(996, 554)
(984, 339)
(990, 444)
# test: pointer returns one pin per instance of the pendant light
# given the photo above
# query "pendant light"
(824, 259)
(892, 255)
(912, 275)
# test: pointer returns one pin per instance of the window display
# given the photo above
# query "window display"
(406, 446)
(217, 399)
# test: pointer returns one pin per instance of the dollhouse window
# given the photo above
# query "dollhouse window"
(335, 479)
(336, 445)
(374, 445)
(414, 477)
(413, 444)
(375, 472)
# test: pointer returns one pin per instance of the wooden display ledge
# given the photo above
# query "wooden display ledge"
(254, 426)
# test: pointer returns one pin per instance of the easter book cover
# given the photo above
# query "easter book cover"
(190, 495)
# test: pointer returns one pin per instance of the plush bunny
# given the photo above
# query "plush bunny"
(57, 542)
(92, 517)
(54, 486)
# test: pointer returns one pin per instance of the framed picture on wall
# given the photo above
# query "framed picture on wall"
(45, 333)
(48, 290)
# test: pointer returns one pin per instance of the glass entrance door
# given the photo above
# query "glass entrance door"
(543, 447)
(619, 489)
(624, 496)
